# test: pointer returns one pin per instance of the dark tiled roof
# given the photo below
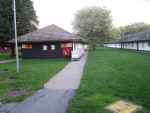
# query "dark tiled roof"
(49, 33)
(140, 36)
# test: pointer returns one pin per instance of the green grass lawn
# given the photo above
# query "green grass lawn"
(34, 73)
(5, 56)
(111, 75)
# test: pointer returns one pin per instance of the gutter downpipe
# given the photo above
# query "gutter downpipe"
(137, 44)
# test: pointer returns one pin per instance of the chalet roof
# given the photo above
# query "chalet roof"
(49, 33)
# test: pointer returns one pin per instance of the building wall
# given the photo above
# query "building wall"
(143, 46)
(113, 45)
(78, 46)
(53, 50)
(131, 45)
(110, 45)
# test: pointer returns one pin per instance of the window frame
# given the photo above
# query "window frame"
(132, 44)
(26, 46)
(53, 47)
(148, 43)
(143, 45)
(45, 48)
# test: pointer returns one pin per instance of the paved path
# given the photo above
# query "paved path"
(68, 78)
(55, 95)
(7, 61)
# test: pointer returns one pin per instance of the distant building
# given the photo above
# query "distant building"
(49, 42)
(136, 41)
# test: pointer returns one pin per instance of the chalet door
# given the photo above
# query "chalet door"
(66, 49)
(66, 52)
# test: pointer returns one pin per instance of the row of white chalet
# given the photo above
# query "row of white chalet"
(139, 41)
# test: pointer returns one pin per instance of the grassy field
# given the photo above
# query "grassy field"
(34, 73)
(5, 56)
(111, 75)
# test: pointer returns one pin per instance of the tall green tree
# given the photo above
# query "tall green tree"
(26, 18)
(94, 24)
(115, 33)
(5, 20)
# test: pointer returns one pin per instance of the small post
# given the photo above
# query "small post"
(15, 35)
(73, 46)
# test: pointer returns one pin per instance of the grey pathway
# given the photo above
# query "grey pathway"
(7, 61)
(55, 95)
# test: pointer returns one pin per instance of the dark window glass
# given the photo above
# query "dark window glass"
(148, 43)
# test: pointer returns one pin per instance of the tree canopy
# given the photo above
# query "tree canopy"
(5, 19)
(94, 24)
(26, 18)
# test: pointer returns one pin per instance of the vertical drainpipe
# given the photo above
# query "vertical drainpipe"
(137, 44)
(73, 46)
(121, 45)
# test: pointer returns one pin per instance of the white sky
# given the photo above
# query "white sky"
(61, 12)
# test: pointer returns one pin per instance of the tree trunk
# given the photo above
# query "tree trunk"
(93, 47)
(12, 50)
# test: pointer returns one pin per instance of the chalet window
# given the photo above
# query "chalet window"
(132, 44)
(69, 45)
(45, 48)
(52, 47)
(66, 45)
(149, 44)
(27, 46)
(142, 44)
(125, 45)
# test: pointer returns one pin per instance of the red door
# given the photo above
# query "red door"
(66, 52)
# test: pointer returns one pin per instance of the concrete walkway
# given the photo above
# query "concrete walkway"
(55, 95)
(68, 78)
(7, 61)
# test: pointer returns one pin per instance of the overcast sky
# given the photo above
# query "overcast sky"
(61, 12)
